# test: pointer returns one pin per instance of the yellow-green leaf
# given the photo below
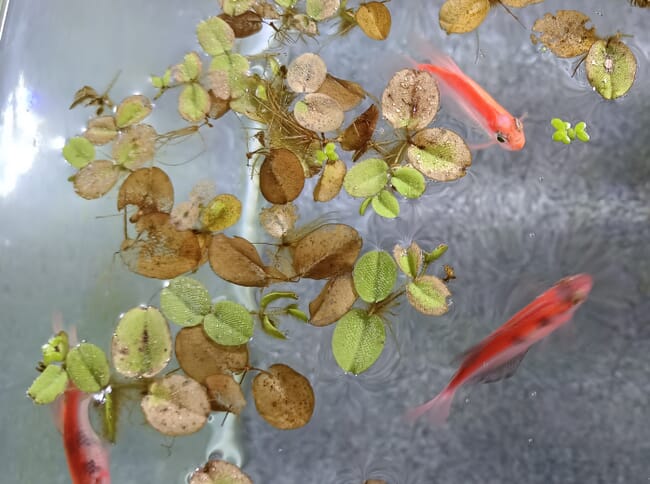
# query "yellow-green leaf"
(358, 340)
(221, 212)
(132, 110)
(374, 276)
(215, 36)
(185, 301)
(428, 294)
(194, 102)
(48, 385)
(87, 367)
(79, 151)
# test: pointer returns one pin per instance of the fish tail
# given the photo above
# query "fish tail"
(437, 409)
(423, 48)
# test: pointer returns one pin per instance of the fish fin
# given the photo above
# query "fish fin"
(501, 372)
(461, 357)
(57, 413)
(437, 409)
(423, 48)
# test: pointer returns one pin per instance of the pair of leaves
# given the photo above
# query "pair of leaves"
(461, 16)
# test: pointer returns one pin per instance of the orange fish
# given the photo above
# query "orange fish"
(501, 126)
(498, 355)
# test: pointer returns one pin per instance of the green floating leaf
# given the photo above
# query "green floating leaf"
(558, 124)
(194, 102)
(436, 253)
(611, 68)
(408, 181)
(581, 132)
(386, 204)
(48, 385)
(274, 296)
(235, 67)
(56, 349)
(87, 367)
(185, 301)
(190, 69)
(409, 259)
(428, 294)
(215, 36)
(229, 324)
(358, 340)
(132, 110)
(374, 275)
(79, 151)
(270, 328)
(293, 310)
(221, 212)
(439, 154)
(142, 343)
(109, 419)
(561, 136)
(322, 9)
(364, 206)
(367, 178)
(236, 7)
(286, 3)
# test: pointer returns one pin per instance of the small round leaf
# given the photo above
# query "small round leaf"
(132, 110)
(87, 367)
(48, 385)
(306, 73)
(385, 204)
(611, 68)
(79, 151)
(408, 182)
(411, 99)
(185, 301)
(96, 179)
(358, 340)
(318, 112)
(439, 154)
(229, 324)
(366, 178)
(428, 294)
(219, 472)
(194, 102)
(215, 36)
(461, 16)
(221, 212)
(374, 276)
(374, 19)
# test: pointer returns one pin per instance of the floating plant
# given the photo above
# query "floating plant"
(564, 133)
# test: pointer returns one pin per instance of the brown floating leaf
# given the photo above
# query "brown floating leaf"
(244, 25)
(334, 300)
(374, 481)
(357, 136)
(283, 397)
(330, 183)
(347, 93)
(176, 405)
(565, 33)
(218, 107)
(236, 260)
(374, 19)
(160, 251)
(439, 154)
(318, 112)
(219, 472)
(281, 176)
(96, 179)
(328, 251)
(199, 356)
(101, 130)
(411, 99)
(135, 146)
(306, 73)
(519, 3)
(150, 189)
(277, 220)
(225, 394)
(460, 16)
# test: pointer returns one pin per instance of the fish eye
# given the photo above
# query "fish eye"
(501, 138)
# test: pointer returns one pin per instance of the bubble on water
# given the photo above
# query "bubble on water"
(541, 179)
(531, 441)
(531, 235)
(533, 394)
(467, 400)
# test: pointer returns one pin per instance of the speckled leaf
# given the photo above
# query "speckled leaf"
(189, 69)
(366, 178)
(335, 299)
(225, 393)
(408, 182)
(221, 212)
(96, 179)
(150, 189)
(229, 324)
(135, 146)
(385, 204)
(236, 67)
(101, 130)
(374, 275)
(277, 220)
(87, 367)
(428, 294)
(79, 151)
(219, 472)
(132, 110)
(374, 19)
(565, 33)
(318, 112)
(611, 68)
(51, 383)
(410, 259)
(236, 260)
(142, 343)
(176, 405)
(322, 9)
(215, 36)
(244, 25)
(283, 397)
(461, 16)
(194, 103)
(185, 301)
(306, 73)
(358, 340)
(236, 7)
(330, 182)
(439, 154)
(282, 177)
(410, 100)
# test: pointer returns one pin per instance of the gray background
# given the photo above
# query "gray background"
(577, 410)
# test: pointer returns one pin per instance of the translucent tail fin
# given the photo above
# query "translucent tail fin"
(437, 409)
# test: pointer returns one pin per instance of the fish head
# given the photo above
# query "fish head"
(510, 132)
(576, 288)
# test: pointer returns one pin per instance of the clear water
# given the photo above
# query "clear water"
(577, 410)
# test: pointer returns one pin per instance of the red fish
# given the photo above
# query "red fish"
(501, 126)
(499, 354)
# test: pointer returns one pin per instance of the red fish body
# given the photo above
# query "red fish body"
(87, 457)
(498, 355)
(499, 124)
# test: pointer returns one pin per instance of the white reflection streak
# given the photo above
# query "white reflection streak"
(4, 7)
(18, 129)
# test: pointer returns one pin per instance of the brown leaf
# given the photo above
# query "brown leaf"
(565, 33)
(160, 251)
(318, 112)
(244, 25)
(218, 107)
(150, 189)
(225, 394)
(374, 19)
(135, 146)
(306, 73)
(199, 356)
(277, 220)
(330, 183)
(347, 93)
(219, 471)
(283, 397)
(236, 260)
(328, 251)
(410, 100)
(101, 130)
(519, 3)
(357, 136)
(96, 179)
(281, 176)
(334, 300)
(461, 16)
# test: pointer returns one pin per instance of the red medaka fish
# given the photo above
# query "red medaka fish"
(498, 355)
(499, 124)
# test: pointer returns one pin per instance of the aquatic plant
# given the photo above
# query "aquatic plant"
(564, 133)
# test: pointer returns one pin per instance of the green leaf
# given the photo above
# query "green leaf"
(364, 206)
(428, 294)
(409, 259)
(386, 204)
(48, 385)
(274, 296)
(156, 82)
(190, 69)
(436, 253)
(561, 136)
(142, 343)
(358, 340)
(236, 7)
(270, 328)
(87, 367)
(611, 67)
(194, 102)
(185, 301)
(167, 77)
(366, 178)
(558, 124)
(215, 36)
(132, 110)
(109, 417)
(286, 3)
(293, 310)
(229, 324)
(439, 154)
(581, 132)
(321, 9)
(56, 348)
(79, 151)
(408, 182)
(374, 275)
(236, 66)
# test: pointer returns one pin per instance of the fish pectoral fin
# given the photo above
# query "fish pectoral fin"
(501, 372)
